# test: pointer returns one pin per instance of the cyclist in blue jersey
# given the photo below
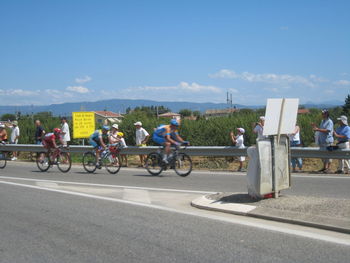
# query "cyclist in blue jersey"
(98, 140)
(167, 135)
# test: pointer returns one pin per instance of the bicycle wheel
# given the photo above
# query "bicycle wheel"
(89, 162)
(112, 163)
(64, 162)
(153, 163)
(42, 161)
(3, 160)
(183, 164)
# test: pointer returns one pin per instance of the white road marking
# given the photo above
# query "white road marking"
(243, 221)
(109, 185)
(137, 195)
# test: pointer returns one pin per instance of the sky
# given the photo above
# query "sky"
(174, 50)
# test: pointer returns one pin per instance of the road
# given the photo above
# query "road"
(133, 217)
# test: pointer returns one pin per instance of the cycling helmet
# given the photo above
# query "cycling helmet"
(174, 122)
(57, 130)
(105, 127)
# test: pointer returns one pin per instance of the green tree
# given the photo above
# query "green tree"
(346, 106)
(185, 112)
(8, 116)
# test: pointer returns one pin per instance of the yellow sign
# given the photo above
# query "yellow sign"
(83, 124)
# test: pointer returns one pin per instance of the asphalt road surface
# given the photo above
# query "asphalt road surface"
(133, 217)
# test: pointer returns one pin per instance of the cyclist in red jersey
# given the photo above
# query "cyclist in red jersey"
(49, 140)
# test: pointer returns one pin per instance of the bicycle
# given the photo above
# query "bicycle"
(45, 160)
(3, 158)
(110, 159)
(180, 162)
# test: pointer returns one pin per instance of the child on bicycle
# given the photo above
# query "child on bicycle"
(167, 135)
(99, 140)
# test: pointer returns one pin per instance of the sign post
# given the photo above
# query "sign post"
(83, 124)
(280, 119)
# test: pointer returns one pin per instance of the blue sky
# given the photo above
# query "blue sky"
(69, 51)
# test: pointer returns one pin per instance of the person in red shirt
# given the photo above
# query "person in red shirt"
(50, 140)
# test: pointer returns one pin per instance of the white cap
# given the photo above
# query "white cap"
(241, 130)
(115, 126)
(2, 125)
(343, 119)
(138, 123)
(262, 118)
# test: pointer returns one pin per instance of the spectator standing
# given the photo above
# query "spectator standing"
(14, 137)
(65, 131)
(39, 132)
(342, 134)
(238, 141)
(325, 137)
(142, 137)
(258, 128)
(295, 141)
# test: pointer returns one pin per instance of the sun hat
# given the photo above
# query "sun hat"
(15, 123)
(262, 118)
(2, 126)
(241, 130)
(115, 126)
(343, 119)
(138, 123)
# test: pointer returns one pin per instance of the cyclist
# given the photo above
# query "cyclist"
(3, 134)
(167, 135)
(98, 140)
(50, 141)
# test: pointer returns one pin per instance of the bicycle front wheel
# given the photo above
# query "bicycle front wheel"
(89, 162)
(42, 161)
(183, 164)
(153, 163)
(2, 160)
(64, 162)
(112, 163)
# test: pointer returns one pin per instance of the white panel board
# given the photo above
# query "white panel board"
(275, 112)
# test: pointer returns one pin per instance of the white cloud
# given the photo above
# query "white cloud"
(271, 78)
(19, 92)
(83, 79)
(78, 89)
(342, 82)
(284, 28)
(182, 86)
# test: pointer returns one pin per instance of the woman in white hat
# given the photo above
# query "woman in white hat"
(238, 141)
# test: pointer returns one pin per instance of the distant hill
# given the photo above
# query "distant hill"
(115, 105)
(120, 106)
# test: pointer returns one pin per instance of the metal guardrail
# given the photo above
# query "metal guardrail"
(215, 151)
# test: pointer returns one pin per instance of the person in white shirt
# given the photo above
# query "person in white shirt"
(65, 131)
(258, 128)
(295, 141)
(14, 137)
(142, 137)
(238, 141)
